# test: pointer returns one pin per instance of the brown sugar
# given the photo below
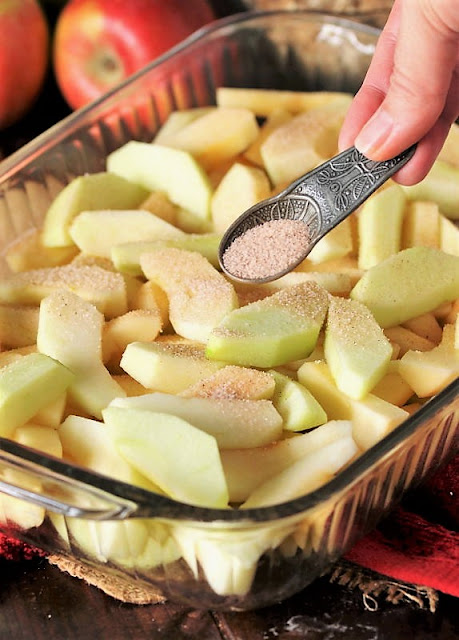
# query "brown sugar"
(266, 250)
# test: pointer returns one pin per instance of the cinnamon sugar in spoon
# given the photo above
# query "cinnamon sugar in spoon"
(275, 235)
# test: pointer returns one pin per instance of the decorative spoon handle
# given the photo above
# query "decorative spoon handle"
(339, 186)
(320, 199)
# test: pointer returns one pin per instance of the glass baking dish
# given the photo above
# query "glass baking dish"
(206, 558)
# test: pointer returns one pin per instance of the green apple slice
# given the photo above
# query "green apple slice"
(270, 332)
(408, 284)
(441, 185)
(126, 256)
(356, 349)
(27, 385)
(88, 192)
(122, 225)
(235, 424)
(181, 459)
(159, 168)
(70, 330)
(297, 406)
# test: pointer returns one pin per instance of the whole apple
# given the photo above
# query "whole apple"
(99, 43)
(24, 56)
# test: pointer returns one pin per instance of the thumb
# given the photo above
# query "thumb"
(425, 57)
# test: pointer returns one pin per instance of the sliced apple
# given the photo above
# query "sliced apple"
(199, 296)
(246, 469)
(263, 102)
(159, 203)
(372, 417)
(380, 222)
(70, 330)
(87, 442)
(105, 289)
(336, 244)
(217, 136)
(355, 347)
(126, 256)
(18, 326)
(431, 371)
(232, 382)
(240, 188)
(272, 331)
(27, 385)
(421, 225)
(167, 367)
(297, 406)
(235, 424)
(137, 325)
(317, 378)
(449, 236)
(304, 142)
(275, 119)
(304, 475)
(119, 226)
(28, 252)
(338, 284)
(426, 326)
(412, 282)
(159, 168)
(90, 191)
(406, 340)
(21, 514)
(441, 185)
(177, 120)
(392, 387)
(181, 459)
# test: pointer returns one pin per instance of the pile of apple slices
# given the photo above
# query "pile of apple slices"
(126, 350)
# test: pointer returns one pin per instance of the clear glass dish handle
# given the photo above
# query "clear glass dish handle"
(70, 490)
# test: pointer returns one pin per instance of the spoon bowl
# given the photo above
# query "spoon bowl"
(320, 200)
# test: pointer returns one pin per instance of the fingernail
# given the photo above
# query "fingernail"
(375, 133)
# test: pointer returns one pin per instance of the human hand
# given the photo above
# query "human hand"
(411, 91)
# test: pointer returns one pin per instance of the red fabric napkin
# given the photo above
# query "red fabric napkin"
(419, 543)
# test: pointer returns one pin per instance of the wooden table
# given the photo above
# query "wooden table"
(40, 602)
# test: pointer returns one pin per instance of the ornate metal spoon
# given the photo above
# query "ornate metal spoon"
(320, 199)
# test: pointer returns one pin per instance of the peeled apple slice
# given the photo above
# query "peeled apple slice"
(356, 349)
(70, 330)
(87, 192)
(159, 168)
(270, 332)
(181, 459)
(27, 385)
(408, 284)
(233, 423)
(199, 296)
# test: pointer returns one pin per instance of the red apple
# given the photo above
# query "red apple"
(24, 54)
(99, 43)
